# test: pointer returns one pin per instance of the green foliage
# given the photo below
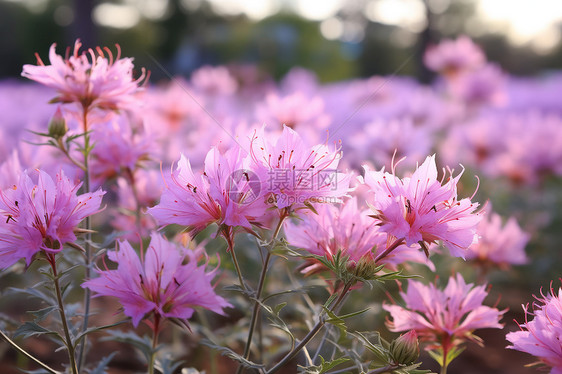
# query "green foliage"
(324, 366)
(452, 353)
(102, 365)
(225, 351)
(142, 343)
(384, 360)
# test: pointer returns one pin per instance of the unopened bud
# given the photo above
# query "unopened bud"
(57, 125)
(405, 349)
(365, 268)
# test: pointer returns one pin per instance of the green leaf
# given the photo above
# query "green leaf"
(41, 314)
(237, 288)
(95, 329)
(29, 329)
(167, 366)
(381, 353)
(298, 290)
(35, 293)
(323, 367)
(102, 365)
(225, 351)
(353, 314)
(143, 344)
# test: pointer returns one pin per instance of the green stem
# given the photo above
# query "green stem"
(387, 251)
(27, 354)
(445, 353)
(255, 311)
(138, 218)
(386, 369)
(68, 341)
(154, 344)
(87, 246)
(237, 267)
(323, 340)
(311, 334)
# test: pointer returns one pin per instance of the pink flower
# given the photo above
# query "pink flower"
(89, 78)
(227, 192)
(296, 111)
(118, 147)
(214, 80)
(159, 283)
(41, 216)
(541, 336)
(380, 140)
(452, 56)
(445, 317)
(421, 210)
(346, 229)
(483, 86)
(497, 243)
(142, 189)
(294, 173)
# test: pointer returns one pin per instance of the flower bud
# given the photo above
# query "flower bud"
(405, 349)
(57, 125)
(365, 268)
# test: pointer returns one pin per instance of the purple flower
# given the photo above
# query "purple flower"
(159, 283)
(41, 216)
(118, 147)
(497, 243)
(89, 78)
(227, 192)
(345, 228)
(294, 173)
(446, 317)
(541, 336)
(421, 210)
(296, 111)
(453, 56)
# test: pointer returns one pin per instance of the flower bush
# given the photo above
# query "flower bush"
(197, 219)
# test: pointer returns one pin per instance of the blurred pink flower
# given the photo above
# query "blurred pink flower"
(446, 317)
(118, 147)
(294, 173)
(345, 228)
(541, 336)
(381, 140)
(41, 216)
(483, 86)
(296, 110)
(497, 243)
(227, 192)
(421, 210)
(142, 189)
(159, 283)
(214, 81)
(88, 78)
(452, 56)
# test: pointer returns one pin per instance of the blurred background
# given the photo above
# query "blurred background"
(338, 39)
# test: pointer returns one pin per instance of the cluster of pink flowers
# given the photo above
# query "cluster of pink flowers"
(237, 189)
(248, 176)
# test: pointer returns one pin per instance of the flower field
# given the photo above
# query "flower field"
(227, 222)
